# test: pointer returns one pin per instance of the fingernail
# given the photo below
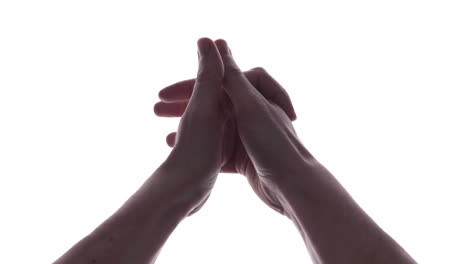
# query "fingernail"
(203, 46)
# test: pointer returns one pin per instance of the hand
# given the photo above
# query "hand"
(197, 156)
(258, 128)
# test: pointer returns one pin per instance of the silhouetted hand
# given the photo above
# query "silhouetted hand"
(259, 140)
(238, 122)
(196, 158)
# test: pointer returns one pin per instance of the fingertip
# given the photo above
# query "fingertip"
(293, 116)
(161, 94)
(170, 139)
(291, 112)
(220, 41)
(204, 45)
(222, 46)
(203, 40)
(156, 108)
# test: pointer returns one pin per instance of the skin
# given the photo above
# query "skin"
(178, 188)
(236, 122)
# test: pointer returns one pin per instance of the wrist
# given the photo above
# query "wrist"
(293, 175)
(181, 189)
(201, 164)
(300, 183)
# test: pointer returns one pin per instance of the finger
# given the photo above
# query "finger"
(170, 139)
(258, 77)
(272, 90)
(209, 80)
(242, 93)
(180, 91)
(175, 109)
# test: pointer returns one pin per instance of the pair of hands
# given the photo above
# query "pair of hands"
(236, 122)
(232, 122)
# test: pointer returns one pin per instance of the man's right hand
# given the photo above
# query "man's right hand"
(264, 126)
(290, 180)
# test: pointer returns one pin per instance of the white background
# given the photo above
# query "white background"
(380, 90)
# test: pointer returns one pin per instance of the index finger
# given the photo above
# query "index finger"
(180, 91)
(272, 90)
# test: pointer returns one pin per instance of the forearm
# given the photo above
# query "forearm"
(334, 227)
(136, 232)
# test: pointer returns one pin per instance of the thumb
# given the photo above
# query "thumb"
(244, 96)
(209, 78)
(199, 134)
